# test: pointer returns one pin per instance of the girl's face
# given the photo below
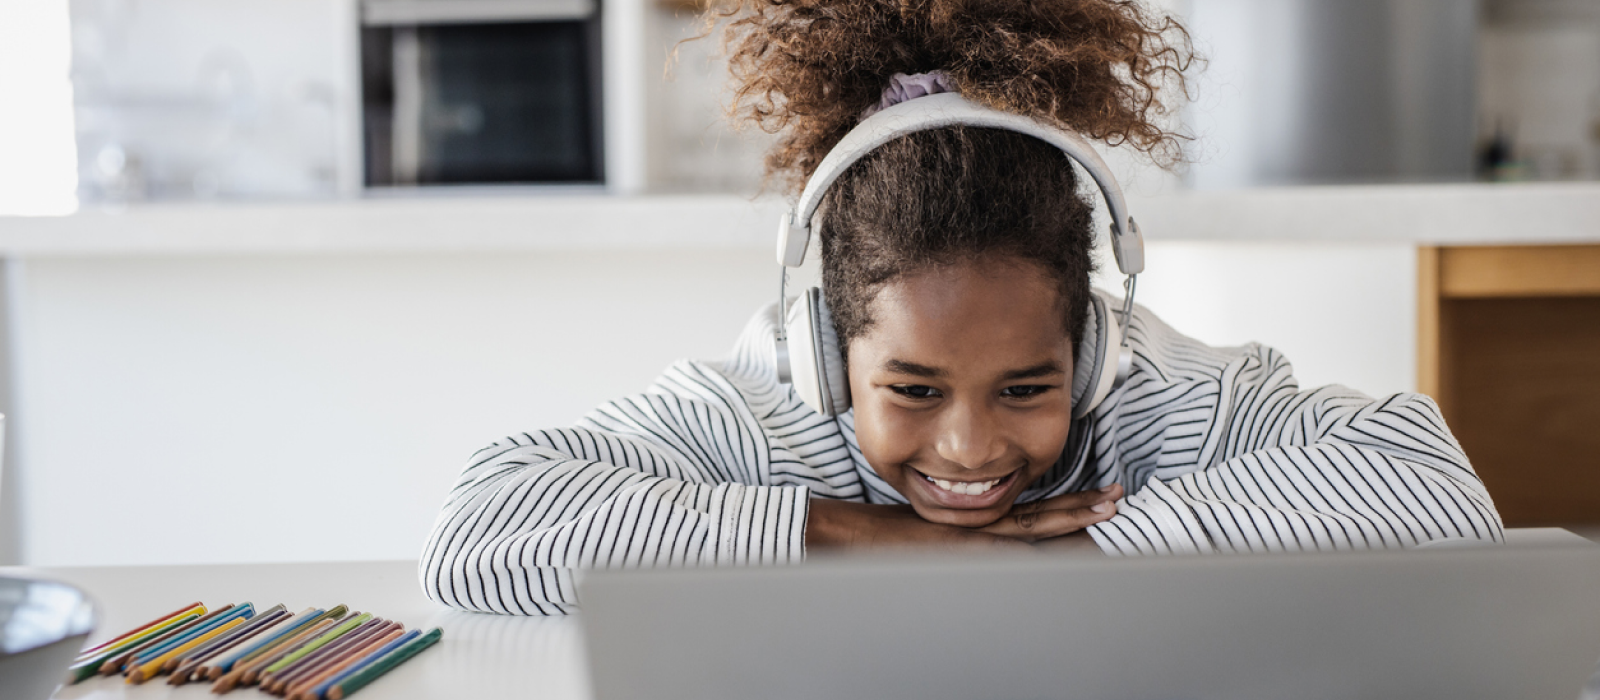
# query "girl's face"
(962, 387)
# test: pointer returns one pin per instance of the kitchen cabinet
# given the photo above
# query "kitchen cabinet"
(1508, 343)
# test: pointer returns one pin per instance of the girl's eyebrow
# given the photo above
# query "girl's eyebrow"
(912, 368)
(1043, 369)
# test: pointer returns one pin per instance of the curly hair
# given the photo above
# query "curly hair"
(806, 70)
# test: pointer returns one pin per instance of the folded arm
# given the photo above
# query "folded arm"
(653, 480)
(1245, 461)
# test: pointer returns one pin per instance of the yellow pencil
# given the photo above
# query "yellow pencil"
(140, 632)
(150, 668)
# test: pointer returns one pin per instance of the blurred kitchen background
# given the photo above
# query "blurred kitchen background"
(322, 250)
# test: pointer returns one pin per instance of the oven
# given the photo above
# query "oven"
(481, 92)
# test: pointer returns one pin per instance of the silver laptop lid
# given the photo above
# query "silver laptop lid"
(1505, 622)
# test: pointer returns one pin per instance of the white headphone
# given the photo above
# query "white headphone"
(814, 363)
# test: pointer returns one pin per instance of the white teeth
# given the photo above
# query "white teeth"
(967, 488)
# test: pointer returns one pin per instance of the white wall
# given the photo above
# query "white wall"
(318, 408)
(37, 175)
(209, 409)
(1343, 313)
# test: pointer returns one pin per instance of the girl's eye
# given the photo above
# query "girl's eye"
(1024, 391)
(915, 391)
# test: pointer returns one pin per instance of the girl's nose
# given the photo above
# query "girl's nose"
(970, 437)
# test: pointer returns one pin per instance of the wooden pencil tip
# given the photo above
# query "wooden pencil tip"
(136, 677)
(224, 685)
(214, 673)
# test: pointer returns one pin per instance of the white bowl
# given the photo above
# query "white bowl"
(43, 625)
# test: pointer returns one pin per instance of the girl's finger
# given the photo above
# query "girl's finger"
(1076, 499)
(1032, 525)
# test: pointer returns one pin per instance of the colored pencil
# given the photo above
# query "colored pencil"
(93, 665)
(373, 670)
(301, 689)
(202, 626)
(252, 675)
(322, 690)
(224, 663)
(288, 638)
(191, 667)
(257, 622)
(196, 608)
(319, 642)
(357, 638)
(246, 671)
(288, 672)
(115, 663)
(249, 616)
(154, 666)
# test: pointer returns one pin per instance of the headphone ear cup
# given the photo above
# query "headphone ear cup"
(816, 362)
(832, 357)
(1094, 371)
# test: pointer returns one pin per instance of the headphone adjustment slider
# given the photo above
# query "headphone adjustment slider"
(792, 240)
(1128, 247)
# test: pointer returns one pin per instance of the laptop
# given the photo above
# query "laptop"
(1517, 621)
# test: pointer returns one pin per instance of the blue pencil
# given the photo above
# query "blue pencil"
(321, 690)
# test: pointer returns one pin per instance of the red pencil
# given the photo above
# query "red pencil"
(86, 653)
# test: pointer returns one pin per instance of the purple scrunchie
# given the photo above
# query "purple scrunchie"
(904, 87)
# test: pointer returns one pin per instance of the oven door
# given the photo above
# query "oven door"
(473, 92)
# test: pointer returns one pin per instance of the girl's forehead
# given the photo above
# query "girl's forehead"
(967, 316)
(978, 292)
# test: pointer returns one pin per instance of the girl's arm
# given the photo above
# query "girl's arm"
(677, 476)
(1227, 454)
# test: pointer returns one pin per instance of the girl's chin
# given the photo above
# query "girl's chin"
(962, 517)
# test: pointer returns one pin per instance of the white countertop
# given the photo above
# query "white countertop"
(1464, 214)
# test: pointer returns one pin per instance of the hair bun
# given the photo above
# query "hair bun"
(809, 68)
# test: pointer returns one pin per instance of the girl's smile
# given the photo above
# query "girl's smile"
(965, 494)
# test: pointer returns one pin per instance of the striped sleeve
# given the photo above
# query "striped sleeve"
(675, 476)
(1223, 452)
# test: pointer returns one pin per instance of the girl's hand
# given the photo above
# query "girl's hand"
(1058, 516)
(843, 524)
(839, 524)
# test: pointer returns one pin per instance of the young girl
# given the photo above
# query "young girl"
(956, 266)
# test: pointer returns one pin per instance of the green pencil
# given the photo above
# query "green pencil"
(317, 643)
(377, 668)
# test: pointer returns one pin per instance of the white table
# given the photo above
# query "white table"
(483, 657)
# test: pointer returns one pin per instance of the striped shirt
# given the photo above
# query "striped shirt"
(714, 464)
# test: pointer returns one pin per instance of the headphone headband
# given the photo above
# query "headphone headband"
(814, 366)
(936, 112)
